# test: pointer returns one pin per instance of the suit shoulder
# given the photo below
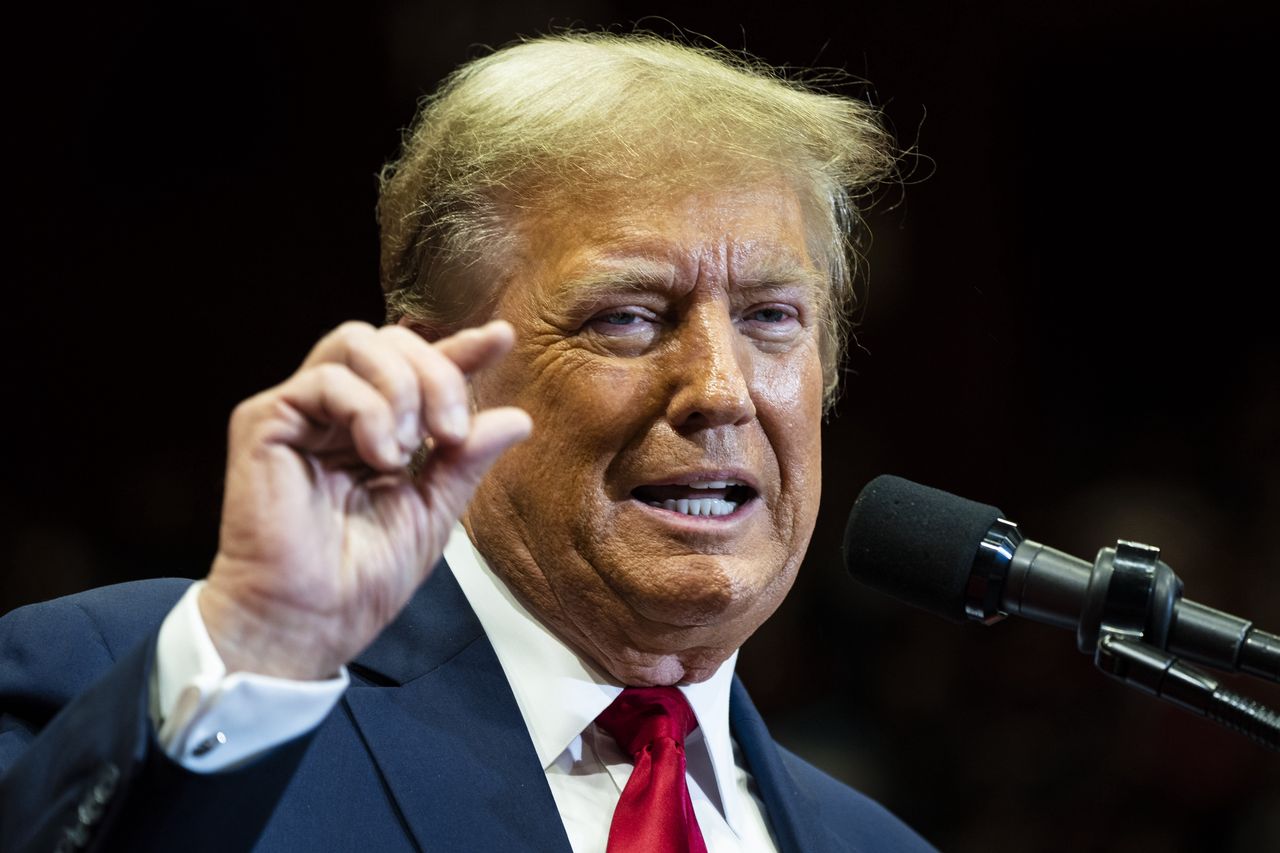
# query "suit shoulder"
(121, 614)
(851, 815)
(56, 648)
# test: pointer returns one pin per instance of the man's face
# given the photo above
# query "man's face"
(668, 354)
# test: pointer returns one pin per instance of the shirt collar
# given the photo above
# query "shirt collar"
(560, 694)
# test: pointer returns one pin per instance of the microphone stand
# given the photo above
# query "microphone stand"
(1159, 673)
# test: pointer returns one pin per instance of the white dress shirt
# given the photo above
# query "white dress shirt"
(560, 695)
(209, 720)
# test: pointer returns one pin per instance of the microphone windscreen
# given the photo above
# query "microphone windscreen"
(916, 543)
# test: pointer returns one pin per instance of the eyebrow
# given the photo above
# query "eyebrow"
(641, 275)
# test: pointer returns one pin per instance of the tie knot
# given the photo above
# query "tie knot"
(641, 715)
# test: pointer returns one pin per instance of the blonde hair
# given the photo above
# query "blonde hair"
(559, 120)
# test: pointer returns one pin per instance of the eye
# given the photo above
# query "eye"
(772, 316)
(769, 314)
(627, 322)
(773, 322)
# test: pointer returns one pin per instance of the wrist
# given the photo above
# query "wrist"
(264, 640)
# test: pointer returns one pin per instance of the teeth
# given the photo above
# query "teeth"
(698, 506)
(715, 484)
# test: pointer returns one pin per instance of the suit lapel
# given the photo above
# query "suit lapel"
(793, 814)
(435, 710)
(440, 721)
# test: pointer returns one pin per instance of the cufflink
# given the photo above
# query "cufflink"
(209, 744)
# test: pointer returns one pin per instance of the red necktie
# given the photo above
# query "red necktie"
(655, 814)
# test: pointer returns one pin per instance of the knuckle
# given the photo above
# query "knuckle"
(242, 417)
(403, 334)
(405, 398)
(353, 330)
(421, 354)
(330, 374)
(254, 420)
(243, 412)
(253, 409)
(396, 381)
(433, 360)
(276, 408)
(445, 380)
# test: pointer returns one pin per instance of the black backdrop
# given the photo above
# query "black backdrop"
(1070, 316)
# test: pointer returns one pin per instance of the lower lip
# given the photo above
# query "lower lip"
(700, 522)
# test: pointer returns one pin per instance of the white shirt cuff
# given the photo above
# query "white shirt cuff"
(208, 720)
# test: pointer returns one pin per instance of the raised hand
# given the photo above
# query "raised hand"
(326, 531)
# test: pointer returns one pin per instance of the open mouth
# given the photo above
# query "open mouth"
(704, 498)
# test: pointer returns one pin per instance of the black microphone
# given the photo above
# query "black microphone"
(963, 560)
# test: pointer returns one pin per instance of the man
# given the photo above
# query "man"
(630, 260)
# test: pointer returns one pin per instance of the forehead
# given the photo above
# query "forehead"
(745, 235)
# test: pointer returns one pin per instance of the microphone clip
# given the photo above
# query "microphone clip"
(1131, 593)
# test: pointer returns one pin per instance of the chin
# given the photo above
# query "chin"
(663, 670)
(690, 592)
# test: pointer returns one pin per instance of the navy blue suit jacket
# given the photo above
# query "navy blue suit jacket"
(426, 751)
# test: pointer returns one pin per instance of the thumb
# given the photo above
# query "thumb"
(451, 473)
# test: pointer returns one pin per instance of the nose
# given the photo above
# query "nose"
(713, 373)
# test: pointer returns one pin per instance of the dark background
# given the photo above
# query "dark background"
(1070, 316)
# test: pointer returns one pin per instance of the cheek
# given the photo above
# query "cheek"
(788, 394)
(789, 402)
(584, 413)
(590, 402)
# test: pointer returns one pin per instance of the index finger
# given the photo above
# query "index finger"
(442, 367)
(476, 348)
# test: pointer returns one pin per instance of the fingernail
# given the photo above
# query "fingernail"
(391, 451)
(407, 431)
(456, 421)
